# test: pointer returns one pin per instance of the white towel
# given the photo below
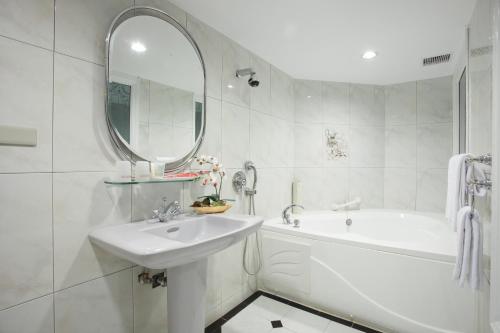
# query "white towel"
(455, 198)
(479, 172)
(468, 264)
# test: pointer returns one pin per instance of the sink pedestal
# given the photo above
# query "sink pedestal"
(187, 285)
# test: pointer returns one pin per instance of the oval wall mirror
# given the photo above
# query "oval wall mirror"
(155, 75)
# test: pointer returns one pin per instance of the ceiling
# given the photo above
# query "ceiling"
(325, 39)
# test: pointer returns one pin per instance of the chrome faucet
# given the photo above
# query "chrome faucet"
(168, 211)
(286, 215)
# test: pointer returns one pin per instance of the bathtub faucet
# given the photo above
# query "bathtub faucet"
(286, 215)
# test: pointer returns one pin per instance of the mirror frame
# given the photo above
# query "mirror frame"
(123, 148)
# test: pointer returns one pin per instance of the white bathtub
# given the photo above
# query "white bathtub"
(390, 269)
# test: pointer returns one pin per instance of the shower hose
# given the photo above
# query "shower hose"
(251, 211)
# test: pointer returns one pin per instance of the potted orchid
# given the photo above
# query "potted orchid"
(211, 176)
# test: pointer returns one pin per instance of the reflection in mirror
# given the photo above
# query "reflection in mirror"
(155, 89)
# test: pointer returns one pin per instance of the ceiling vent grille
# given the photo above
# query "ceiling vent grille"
(437, 59)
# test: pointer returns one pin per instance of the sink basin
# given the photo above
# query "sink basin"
(182, 247)
(164, 245)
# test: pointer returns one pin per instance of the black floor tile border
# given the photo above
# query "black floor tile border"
(215, 327)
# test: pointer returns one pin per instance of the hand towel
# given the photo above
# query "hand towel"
(468, 264)
(455, 199)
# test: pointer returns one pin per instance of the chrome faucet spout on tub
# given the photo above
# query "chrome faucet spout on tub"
(286, 215)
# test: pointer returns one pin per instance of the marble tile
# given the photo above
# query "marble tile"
(400, 188)
(212, 141)
(367, 106)
(146, 197)
(434, 145)
(82, 26)
(210, 43)
(268, 308)
(25, 237)
(235, 126)
(150, 305)
(260, 97)
(480, 129)
(275, 193)
(312, 187)
(300, 321)
(434, 101)
(343, 136)
(234, 90)
(309, 145)
(83, 202)
(335, 186)
(101, 305)
(431, 190)
(40, 313)
(367, 146)
(334, 327)
(231, 271)
(26, 71)
(401, 103)
(29, 21)
(271, 141)
(401, 146)
(242, 323)
(178, 14)
(368, 184)
(335, 102)
(79, 118)
(214, 291)
(308, 105)
(282, 91)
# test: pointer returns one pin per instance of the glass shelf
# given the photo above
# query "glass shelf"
(150, 181)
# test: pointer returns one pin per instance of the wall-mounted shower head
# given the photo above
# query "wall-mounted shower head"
(252, 82)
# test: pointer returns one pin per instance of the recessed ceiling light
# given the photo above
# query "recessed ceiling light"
(369, 55)
(230, 86)
(309, 96)
(138, 47)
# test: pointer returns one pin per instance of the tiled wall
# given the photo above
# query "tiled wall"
(399, 139)
(51, 64)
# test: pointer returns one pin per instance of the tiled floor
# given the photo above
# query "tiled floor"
(263, 313)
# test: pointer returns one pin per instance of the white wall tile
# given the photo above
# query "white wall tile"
(401, 104)
(83, 202)
(309, 145)
(335, 186)
(36, 316)
(367, 146)
(260, 97)
(271, 200)
(235, 135)
(368, 184)
(210, 43)
(79, 118)
(25, 237)
(178, 14)
(234, 90)
(335, 102)
(367, 105)
(271, 141)
(434, 101)
(26, 101)
(282, 100)
(230, 266)
(431, 190)
(401, 146)
(150, 305)
(101, 305)
(212, 141)
(82, 26)
(30, 21)
(434, 145)
(308, 107)
(400, 188)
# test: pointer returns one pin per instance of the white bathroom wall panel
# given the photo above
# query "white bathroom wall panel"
(56, 192)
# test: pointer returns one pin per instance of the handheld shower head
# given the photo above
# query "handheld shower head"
(252, 82)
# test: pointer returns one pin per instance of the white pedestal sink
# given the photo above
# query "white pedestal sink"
(182, 247)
